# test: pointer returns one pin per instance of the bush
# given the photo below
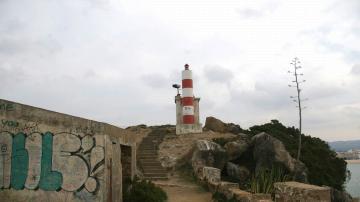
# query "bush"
(324, 167)
(220, 197)
(142, 190)
(264, 181)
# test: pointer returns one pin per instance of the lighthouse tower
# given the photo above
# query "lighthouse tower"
(187, 106)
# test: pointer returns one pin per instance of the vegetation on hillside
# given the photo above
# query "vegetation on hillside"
(324, 167)
(142, 190)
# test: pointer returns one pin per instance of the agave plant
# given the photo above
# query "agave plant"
(263, 181)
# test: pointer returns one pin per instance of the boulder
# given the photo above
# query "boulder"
(217, 125)
(240, 173)
(268, 151)
(342, 196)
(168, 161)
(234, 149)
(209, 154)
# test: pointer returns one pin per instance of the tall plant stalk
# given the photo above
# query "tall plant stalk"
(295, 63)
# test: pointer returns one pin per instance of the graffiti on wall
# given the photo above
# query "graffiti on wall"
(16, 127)
(7, 107)
(63, 161)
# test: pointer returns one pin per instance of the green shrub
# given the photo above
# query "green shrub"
(324, 167)
(142, 190)
(220, 197)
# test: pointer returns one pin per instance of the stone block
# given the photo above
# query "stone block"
(261, 198)
(240, 195)
(295, 191)
(226, 187)
(211, 174)
(243, 196)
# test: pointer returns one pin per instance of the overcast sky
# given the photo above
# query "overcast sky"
(115, 61)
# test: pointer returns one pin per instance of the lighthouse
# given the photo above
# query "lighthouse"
(187, 106)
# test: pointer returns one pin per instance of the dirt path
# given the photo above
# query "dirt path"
(180, 190)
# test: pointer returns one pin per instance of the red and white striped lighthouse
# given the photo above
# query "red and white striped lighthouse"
(187, 106)
(187, 96)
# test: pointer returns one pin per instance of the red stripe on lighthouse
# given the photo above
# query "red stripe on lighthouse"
(188, 119)
(187, 83)
(187, 101)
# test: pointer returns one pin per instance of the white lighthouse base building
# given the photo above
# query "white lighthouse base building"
(182, 128)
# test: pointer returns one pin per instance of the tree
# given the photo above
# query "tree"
(297, 99)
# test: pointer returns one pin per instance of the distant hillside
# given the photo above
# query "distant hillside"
(345, 145)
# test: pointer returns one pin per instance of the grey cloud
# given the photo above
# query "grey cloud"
(324, 91)
(355, 70)
(263, 9)
(249, 13)
(12, 26)
(90, 73)
(267, 96)
(155, 80)
(14, 45)
(216, 73)
(9, 73)
(350, 9)
(352, 112)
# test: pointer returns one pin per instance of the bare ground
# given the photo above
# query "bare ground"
(183, 190)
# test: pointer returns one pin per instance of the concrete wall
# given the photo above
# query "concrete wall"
(49, 156)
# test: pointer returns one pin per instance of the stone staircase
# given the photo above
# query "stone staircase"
(148, 156)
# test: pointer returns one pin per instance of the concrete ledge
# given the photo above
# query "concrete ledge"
(295, 191)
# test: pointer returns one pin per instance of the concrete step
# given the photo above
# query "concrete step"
(153, 166)
(145, 156)
(148, 152)
(153, 163)
(145, 161)
(147, 148)
(155, 178)
(153, 158)
(159, 170)
(150, 141)
(153, 152)
(155, 175)
(148, 158)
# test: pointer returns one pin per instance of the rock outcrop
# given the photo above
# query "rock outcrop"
(268, 150)
(207, 153)
(217, 125)
(342, 196)
(236, 148)
(240, 173)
